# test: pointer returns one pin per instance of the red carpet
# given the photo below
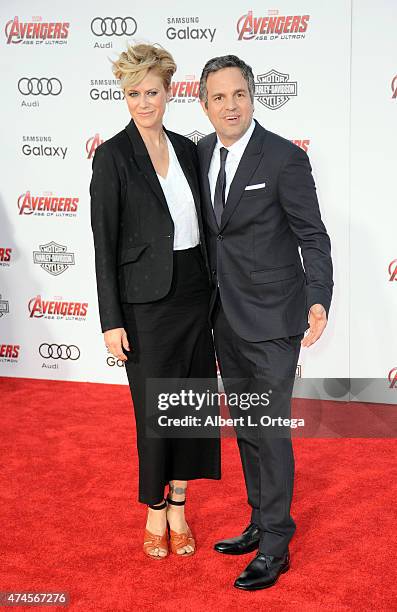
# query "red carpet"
(70, 520)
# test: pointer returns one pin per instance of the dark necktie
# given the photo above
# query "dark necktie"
(219, 195)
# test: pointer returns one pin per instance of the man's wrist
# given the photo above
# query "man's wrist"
(317, 309)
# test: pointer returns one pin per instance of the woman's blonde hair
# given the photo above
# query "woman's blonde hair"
(133, 65)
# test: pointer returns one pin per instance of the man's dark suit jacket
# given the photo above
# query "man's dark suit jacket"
(132, 226)
(265, 291)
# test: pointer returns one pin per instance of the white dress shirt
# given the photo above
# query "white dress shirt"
(234, 156)
(180, 202)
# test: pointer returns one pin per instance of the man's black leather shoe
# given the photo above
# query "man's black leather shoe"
(242, 544)
(262, 572)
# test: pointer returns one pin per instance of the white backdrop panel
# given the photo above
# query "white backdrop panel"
(89, 109)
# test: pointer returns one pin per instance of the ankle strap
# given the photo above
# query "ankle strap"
(161, 507)
(175, 503)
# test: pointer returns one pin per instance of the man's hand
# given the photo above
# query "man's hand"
(115, 339)
(318, 322)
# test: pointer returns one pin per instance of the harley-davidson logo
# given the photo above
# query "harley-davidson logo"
(273, 89)
(4, 307)
(195, 136)
(53, 258)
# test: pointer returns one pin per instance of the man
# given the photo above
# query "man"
(260, 207)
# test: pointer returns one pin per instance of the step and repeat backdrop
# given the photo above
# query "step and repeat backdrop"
(326, 78)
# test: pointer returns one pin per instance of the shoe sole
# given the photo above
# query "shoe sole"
(260, 588)
(248, 550)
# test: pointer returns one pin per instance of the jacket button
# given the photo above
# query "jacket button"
(219, 237)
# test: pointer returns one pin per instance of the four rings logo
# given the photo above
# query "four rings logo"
(39, 87)
(53, 258)
(59, 351)
(274, 89)
(393, 378)
(393, 270)
(113, 26)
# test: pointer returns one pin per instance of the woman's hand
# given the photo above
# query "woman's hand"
(115, 340)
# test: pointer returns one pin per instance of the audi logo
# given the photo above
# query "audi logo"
(59, 351)
(113, 26)
(37, 87)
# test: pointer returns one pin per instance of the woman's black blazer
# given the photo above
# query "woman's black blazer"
(132, 226)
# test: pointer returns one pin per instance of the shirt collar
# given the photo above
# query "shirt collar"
(238, 147)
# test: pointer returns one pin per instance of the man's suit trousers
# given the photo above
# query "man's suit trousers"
(262, 368)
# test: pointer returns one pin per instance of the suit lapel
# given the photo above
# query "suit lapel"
(246, 168)
(205, 162)
(144, 162)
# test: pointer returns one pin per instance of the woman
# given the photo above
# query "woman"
(153, 284)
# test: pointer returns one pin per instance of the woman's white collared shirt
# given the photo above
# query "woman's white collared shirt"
(180, 202)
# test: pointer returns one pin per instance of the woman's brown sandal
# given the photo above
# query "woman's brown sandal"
(180, 540)
(152, 541)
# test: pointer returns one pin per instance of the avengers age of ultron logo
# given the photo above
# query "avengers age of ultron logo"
(195, 136)
(5, 256)
(394, 88)
(53, 258)
(92, 144)
(273, 89)
(393, 378)
(393, 270)
(36, 32)
(47, 205)
(302, 143)
(57, 309)
(186, 90)
(9, 353)
(272, 26)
